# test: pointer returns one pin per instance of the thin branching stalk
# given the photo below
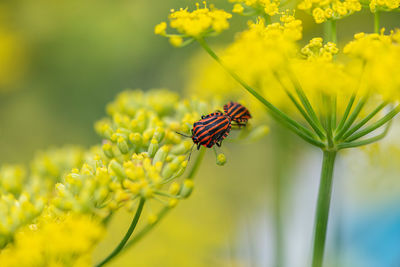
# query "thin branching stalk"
(364, 121)
(303, 98)
(346, 112)
(353, 116)
(366, 141)
(165, 210)
(375, 125)
(377, 20)
(128, 234)
(306, 116)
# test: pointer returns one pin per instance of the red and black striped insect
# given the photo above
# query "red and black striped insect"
(237, 112)
(211, 130)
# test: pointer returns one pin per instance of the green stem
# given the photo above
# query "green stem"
(364, 121)
(377, 18)
(277, 114)
(267, 19)
(127, 235)
(165, 210)
(352, 118)
(305, 115)
(197, 164)
(330, 32)
(333, 32)
(366, 141)
(161, 214)
(346, 112)
(310, 121)
(303, 98)
(375, 125)
(323, 204)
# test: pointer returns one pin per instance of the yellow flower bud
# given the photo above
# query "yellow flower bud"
(221, 159)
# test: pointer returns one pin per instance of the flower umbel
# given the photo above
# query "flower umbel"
(201, 22)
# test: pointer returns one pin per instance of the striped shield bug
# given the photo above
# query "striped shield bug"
(237, 112)
(211, 130)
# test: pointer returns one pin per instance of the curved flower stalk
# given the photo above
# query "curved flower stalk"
(333, 104)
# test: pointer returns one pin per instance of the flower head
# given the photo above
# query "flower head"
(260, 7)
(323, 10)
(201, 22)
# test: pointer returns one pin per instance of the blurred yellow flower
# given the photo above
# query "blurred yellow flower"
(198, 23)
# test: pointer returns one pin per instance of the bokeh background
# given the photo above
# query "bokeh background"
(62, 61)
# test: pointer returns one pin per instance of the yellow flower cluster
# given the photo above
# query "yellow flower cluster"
(316, 50)
(48, 167)
(195, 24)
(24, 194)
(263, 47)
(17, 211)
(268, 7)
(53, 208)
(386, 5)
(54, 241)
(379, 54)
(254, 53)
(140, 156)
(323, 10)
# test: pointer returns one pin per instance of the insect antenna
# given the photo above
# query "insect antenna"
(184, 135)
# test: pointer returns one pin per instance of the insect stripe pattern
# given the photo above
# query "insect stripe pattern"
(211, 129)
(237, 112)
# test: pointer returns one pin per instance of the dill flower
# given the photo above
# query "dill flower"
(17, 211)
(54, 241)
(323, 10)
(254, 55)
(387, 5)
(379, 54)
(201, 22)
(12, 178)
(48, 167)
(316, 50)
(140, 157)
(256, 7)
(26, 192)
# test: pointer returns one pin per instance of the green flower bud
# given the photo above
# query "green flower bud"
(182, 148)
(117, 169)
(221, 159)
(161, 154)
(107, 149)
(104, 129)
(174, 188)
(187, 188)
(122, 145)
(159, 134)
(172, 202)
(169, 170)
(152, 148)
(181, 168)
(136, 139)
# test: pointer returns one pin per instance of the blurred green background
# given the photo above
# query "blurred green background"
(62, 61)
